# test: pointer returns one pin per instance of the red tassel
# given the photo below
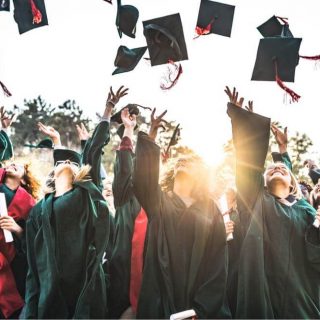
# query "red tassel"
(203, 31)
(311, 57)
(295, 97)
(165, 157)
(177, 71)
(37, 16)
(6, 92)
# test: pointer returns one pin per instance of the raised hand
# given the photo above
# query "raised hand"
(83, 133)
(233, 96)
(129, 121)
(113, 98)
(50, 132)
(281, 137)
(6, 121)
(250, 106)
(156, 123)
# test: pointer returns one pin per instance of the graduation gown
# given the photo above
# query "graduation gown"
(13, 262)
(279, 263)
(185, 262)
(66, 239)
(127, 210)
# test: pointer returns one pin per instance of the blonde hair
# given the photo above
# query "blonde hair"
(31, 183)
(82, 175)
(201, 188)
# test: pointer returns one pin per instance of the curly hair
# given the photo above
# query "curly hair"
(201, 189)
(31, 183)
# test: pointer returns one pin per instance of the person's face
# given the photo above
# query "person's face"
(66, 167)
(15, 170)
(278, 173)
(186, 166)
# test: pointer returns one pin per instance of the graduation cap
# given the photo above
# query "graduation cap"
(215, 17)
(165, 39)
(274, 28)
(127, 17)
(133, 109)
(4, 5)
(29, 14)
(127, 59)
(173, 141)
(66, 154)
(43, 144)
(5, 90)
(276, 60)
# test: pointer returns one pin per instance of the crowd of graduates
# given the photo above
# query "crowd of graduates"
(164, 250)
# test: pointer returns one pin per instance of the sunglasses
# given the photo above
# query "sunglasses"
(67, 161)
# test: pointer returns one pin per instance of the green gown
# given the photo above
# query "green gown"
(127, 209)
(185, 261)
(66, 239)
(279, 263)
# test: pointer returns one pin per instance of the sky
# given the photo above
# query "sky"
(73, 58)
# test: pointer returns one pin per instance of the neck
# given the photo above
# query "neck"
(279, 191)
(63, 183)
(183, 190)
(12, 183)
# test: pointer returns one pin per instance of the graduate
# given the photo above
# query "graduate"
(130, 229)
(68, 232)
(185, 260)
(279, 263)
(21, 189)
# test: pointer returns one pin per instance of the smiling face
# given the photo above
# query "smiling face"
(15, 170)
(277, 174)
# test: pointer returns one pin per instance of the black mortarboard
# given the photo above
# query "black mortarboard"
(274, 28)
(165, 39)
(127, 59)
(218, 15)
(4, 5)
(66, 154)
(133, 109)
(30, 14)
(276, 60)
(43, 144)
(277, 56)
(126, 21)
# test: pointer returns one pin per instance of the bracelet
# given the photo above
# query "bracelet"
(110, 101)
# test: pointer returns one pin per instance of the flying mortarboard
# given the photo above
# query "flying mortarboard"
(126, 21)
(4, 5)
(127, 59)
(29, 14)
(133, 109)
(66, 154)
(43, 144)
(276, 60)
(5, 90)
(165, 39)
(274, 28)
(215, 17)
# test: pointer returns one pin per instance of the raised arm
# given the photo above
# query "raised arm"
(251, 134)
(93, 149)
(123, 167)
(282, 141)
(146, 168)
(6, 150)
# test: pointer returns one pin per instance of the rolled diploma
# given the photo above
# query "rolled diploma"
(183, 315)
(226, 217)
(4, 212)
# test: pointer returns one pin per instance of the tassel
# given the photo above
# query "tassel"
(165, 157)
(37, 16)
(6, 92)
(310, 57)
(203, 31)
(284, 20)
(294, 96)
(177, 71)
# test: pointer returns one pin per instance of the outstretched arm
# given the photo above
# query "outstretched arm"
(6, 150)
(251, 134)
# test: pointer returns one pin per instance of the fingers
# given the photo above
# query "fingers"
(152, 113)
(241, 101)
(162, 114)
(111, 92)
(286, 131)
(83, 128)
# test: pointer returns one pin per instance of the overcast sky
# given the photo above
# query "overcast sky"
(72, 58)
